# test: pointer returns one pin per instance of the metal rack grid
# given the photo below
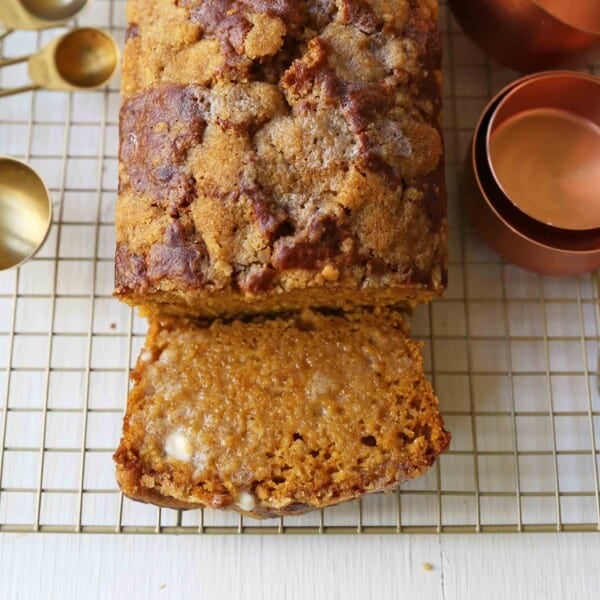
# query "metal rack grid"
(513, 356)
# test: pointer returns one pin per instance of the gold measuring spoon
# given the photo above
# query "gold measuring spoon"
(83, 59)
(25, 212)
(37, 14)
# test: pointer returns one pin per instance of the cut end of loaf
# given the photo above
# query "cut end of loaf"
(277, 416)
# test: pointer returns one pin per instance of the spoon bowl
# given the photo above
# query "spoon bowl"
(85, 58)
(25, 212)
(82, 59)
(54, 10)
(38, 14)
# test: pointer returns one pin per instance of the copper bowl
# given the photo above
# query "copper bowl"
(543, 147)
(532, 35)
(515, 236)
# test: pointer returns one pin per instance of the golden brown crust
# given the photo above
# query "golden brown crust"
(273, 151)
(276, 416)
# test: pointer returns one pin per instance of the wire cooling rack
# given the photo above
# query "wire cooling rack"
(513, 356)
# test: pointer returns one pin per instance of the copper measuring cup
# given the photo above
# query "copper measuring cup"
(37, 14)
(25, 212)
(83, 59)
(543, 147)
(514, 235)
(532, 35)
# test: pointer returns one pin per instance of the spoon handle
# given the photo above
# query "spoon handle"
(5, 62)
(18, 90)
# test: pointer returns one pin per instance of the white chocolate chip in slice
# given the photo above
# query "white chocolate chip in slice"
(322, 386)
(167, 356)
(146, 356)
(246, 501)
(436, 276)
(177, 446)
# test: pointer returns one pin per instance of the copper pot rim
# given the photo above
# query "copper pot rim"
(525, 36)
(516, 86)
(509, 93)
(547, 11)
(482, 125)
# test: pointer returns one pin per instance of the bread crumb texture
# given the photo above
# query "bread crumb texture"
(281, 154)
(277, 416)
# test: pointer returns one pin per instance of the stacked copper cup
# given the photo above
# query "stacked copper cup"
(533, 170)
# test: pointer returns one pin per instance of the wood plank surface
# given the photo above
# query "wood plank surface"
(520, 567)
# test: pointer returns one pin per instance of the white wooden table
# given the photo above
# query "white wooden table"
(527, 567)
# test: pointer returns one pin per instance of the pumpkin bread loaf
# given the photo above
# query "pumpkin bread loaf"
(280, 155)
